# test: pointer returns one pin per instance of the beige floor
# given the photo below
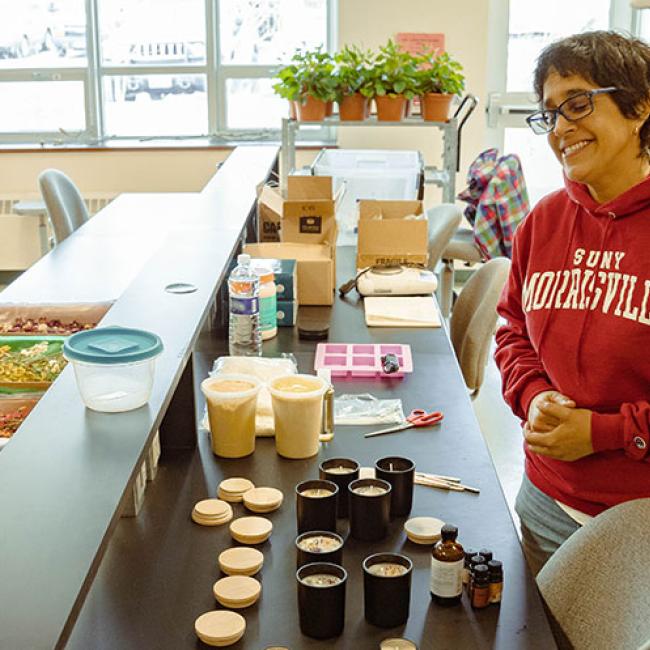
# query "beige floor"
(502, 434)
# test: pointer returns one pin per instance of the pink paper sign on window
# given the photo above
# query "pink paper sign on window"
(416, 43)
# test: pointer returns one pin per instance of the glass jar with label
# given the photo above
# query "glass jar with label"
(268, 303)
(447, 561)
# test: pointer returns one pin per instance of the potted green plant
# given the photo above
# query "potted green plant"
(288, 87)
(353, 83)
(393, 81)
(317, 84)
(439, 79)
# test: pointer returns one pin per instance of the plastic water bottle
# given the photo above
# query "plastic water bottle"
(244, 326)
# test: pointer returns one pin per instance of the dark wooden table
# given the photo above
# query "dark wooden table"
(158, 572)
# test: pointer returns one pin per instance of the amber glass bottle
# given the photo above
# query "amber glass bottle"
(447, 560)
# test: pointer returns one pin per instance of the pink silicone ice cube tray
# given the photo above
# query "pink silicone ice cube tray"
(361, 359)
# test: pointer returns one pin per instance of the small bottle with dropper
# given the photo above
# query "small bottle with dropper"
(447, 561)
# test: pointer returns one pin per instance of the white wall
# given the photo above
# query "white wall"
(365, 22)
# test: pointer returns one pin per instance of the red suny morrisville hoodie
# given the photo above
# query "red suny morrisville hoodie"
(577, 306)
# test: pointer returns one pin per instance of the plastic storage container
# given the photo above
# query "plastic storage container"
(369, 174)
(114, 366)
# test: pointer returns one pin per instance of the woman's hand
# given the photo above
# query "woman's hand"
(539, 420)
(569, 440)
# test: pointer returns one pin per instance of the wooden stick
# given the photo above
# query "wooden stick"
(451, 479)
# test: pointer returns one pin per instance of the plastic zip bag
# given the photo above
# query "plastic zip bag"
(367, 409)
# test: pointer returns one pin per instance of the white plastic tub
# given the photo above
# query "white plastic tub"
(369, 174)
(114, 367)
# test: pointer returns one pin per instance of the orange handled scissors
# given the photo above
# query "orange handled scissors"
(417, 418)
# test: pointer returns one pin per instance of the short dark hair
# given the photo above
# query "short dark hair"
(608, 59)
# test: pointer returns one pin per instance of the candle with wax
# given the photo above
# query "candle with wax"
(369, 508)
(316, 505)
(341, 471)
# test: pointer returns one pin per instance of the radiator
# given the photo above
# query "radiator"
(20, 244)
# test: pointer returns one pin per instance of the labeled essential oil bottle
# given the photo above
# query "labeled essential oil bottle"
(447, 561)
(496, 580)
(480, 586)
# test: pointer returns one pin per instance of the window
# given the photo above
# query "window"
(88, 71)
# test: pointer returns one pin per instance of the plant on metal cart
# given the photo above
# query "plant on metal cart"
(438, 79)
(394, 81)
(354, 82)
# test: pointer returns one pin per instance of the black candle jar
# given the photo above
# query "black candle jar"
(369, 508)
(341, 471)
(321, 599)
(316, 505)
(387, 589)
(400, 473)
(306, 555)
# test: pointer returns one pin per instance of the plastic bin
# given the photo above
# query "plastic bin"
(23, 404)
(369, 174)
(114, 366)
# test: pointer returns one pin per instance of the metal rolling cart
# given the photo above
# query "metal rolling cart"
(444, 176)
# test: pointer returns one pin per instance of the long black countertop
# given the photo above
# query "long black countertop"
(158, 572)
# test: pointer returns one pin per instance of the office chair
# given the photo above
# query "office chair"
(65, 206)
(474, 320)
(596, 584)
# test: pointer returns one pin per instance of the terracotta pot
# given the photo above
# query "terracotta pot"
(435, 107)
(311, 109)
(329, 108)
(390, 109)
(354, 107)
(292, 110)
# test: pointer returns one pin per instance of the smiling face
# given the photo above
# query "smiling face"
(600, 150)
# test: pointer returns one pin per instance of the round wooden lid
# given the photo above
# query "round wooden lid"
(235, 485)
(220, 627)
(423, 530)
(263, 499)
(237, 591)
(241, 560)
(211, 508)
(251, 530)
(366, 472)
(212, 521)
(397, 644)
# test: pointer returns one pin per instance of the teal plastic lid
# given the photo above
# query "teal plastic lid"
(112, 345)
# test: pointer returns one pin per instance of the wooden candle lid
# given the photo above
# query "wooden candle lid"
(237, 592)
(397, 644)
(263, 499)
(251, 530)
(423, 530)
(212, 512)
(233, 489)
(220, 628)
(241, 560)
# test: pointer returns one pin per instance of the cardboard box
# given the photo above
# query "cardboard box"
(287, 313)
(285, 274)
(392, 239)
(315, 268)
(304, 216)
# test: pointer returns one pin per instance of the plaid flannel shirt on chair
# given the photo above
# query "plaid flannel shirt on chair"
(497, 201)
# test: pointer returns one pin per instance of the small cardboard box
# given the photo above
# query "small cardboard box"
(305, 216)
(315, 268)
(386, 237)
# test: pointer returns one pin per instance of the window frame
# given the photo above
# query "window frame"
(217, 76)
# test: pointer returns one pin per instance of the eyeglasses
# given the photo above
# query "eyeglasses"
(572, 109)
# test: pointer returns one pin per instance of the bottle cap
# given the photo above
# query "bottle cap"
(495, 567)
(448, 532)
(486, 553)
(477, 559)
(469, 554)
(243, 258)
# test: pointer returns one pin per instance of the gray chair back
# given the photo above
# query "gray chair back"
(65, 206)
(474, 318)
(596, 584)
(444, 220)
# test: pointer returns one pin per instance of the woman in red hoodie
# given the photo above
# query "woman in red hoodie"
(573, 354)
